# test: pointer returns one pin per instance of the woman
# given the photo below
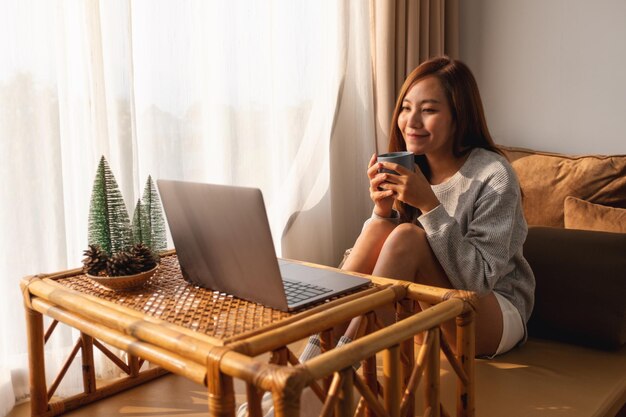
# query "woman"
(457, 221)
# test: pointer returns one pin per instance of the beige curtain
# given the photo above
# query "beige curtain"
(403, 34)
(167, 89)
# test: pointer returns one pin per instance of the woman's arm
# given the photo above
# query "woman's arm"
(476, 258)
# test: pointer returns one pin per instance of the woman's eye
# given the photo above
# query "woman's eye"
(405, 108)
(428, 110)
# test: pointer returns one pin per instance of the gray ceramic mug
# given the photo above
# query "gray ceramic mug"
(406, 159)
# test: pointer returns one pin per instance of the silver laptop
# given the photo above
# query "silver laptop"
(223, 242)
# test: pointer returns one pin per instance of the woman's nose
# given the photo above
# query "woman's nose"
(415, 119)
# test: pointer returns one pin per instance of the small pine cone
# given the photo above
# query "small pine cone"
(95, 260)
(121, 263)
(145, 258)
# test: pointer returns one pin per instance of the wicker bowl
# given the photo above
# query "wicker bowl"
(124, 282)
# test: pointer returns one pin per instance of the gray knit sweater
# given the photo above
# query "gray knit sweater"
(478, 230)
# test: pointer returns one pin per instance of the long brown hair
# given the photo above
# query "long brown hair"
(466, 107)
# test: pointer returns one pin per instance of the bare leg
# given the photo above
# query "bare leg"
(365, 252)
(406, 255)
(362, 258)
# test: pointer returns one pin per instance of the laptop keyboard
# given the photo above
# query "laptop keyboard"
(297, 291)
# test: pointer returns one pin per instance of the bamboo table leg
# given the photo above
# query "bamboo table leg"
(465, 336)
(286, 405)
(404, 309)
(369, 366)
(89, 371)
(254, 396)
(392, 377)
(220, 387)
(327, 343)
(38, 390)
(133, 365)
(346, 397)
(288, 384)
(433, 398)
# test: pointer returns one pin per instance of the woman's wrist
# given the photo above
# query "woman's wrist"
(430, 204)
(391, 214)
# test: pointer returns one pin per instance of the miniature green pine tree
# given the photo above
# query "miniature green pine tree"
(109, 225)
(140, 224)
(148, 220)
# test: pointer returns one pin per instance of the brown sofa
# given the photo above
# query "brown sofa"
(574, 363)
(576, 245)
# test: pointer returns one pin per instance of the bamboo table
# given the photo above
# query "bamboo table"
(211, 338)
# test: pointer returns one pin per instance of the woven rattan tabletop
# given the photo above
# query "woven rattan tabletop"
(168, 297)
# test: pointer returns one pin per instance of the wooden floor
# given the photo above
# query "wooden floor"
(169, 395)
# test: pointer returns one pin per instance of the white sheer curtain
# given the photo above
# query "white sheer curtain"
(272, 94)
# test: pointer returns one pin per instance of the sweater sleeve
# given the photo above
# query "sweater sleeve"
(477, 259)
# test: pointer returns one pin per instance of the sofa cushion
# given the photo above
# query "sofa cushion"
(545, 379)
(547, 178)
(581, 214)
(580, 285)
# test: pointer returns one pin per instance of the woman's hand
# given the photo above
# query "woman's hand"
(383, 199)
(409, 187)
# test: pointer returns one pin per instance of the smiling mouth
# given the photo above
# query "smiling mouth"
(416, 136)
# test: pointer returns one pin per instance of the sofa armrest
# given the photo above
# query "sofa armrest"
(581, 285)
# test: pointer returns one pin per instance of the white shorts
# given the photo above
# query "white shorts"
(512, 325)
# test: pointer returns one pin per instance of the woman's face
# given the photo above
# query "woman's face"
(425, 119)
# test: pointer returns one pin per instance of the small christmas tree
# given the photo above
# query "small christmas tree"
(148, 220)
(111, 236)
(109, 225)
(139, 224)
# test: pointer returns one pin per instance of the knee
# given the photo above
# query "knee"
(406, 238)
(408, 231)
(379, 227)
(381, 224)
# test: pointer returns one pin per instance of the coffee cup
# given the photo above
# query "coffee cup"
(406, 159)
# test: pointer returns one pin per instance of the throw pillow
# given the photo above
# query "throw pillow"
(581, 214)
(547, 178)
